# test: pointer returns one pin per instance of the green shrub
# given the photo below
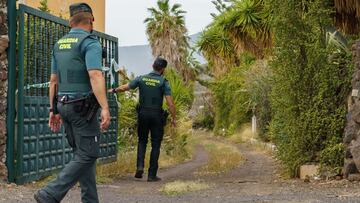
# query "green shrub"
(205, 119)
(182, 93)
(232, 101)
(175, 139)
(257, 82)
(310, 85)
(127, 117)
(333, 156)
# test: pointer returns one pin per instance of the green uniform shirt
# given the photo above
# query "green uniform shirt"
(91, 49)
(152, 88)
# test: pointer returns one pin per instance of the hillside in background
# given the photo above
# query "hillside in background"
(138, 59)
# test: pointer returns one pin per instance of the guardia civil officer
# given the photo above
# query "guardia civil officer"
(153, 87)
(77, 80)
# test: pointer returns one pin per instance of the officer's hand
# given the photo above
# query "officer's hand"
(55, 122)
(105, 119)
(111, 90)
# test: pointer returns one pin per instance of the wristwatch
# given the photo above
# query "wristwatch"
(113, 90)
(51, 110)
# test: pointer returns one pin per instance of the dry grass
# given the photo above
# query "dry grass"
(125, 164)
(181, 187)
(222, 157)
(245, 135)
(43, 182)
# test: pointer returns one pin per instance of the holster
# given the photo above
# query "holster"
(165, 115)
(91, 107)
(87, 106)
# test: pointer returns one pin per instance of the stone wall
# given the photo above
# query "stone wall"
(352, 130)
(3, 86)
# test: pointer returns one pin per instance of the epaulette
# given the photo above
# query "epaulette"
(91, 36)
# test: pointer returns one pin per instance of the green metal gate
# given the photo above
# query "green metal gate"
(36, 150)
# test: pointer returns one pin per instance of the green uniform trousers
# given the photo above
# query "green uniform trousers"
(149, 121)
(86, 150)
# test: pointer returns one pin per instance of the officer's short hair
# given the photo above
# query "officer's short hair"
(159, 64)
(82, 18)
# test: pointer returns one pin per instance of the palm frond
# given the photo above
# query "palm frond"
(347, 16)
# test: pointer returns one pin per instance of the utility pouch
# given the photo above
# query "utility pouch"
(85, 107)
(79, 107)
(165, 115)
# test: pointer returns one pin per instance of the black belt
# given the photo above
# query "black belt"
(151, 109)
(69, 99)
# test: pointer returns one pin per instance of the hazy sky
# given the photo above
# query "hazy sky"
(124, 18)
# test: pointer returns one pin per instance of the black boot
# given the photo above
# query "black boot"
(153, 179)
(139, 174)
(42, 196)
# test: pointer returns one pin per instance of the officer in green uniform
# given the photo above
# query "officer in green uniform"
(153, 87)
(76, 74)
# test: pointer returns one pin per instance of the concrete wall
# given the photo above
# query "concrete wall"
(3, 86)
(61, 8)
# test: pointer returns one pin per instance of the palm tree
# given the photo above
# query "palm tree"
(348, 15)
(167, 35)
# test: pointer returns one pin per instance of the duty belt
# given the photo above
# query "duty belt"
(151, 109)
(69, 99)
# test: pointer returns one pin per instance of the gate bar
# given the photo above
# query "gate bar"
(20, 103)
(10, 120)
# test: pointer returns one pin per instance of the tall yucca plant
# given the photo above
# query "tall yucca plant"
(218, 49)
(243, 27)
(247, 24)
(167, 35)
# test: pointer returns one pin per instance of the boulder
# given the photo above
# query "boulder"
(349, 168)
(354, 177)
(309, 171)
(355, 152)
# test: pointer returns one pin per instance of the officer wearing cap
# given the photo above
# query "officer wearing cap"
(77, 73)
(153, 87)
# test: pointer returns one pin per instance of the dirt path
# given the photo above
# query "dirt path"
(255, 180)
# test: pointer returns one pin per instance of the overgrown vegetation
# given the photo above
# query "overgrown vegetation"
(231, 102)
(281, 61)
(311, 84)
